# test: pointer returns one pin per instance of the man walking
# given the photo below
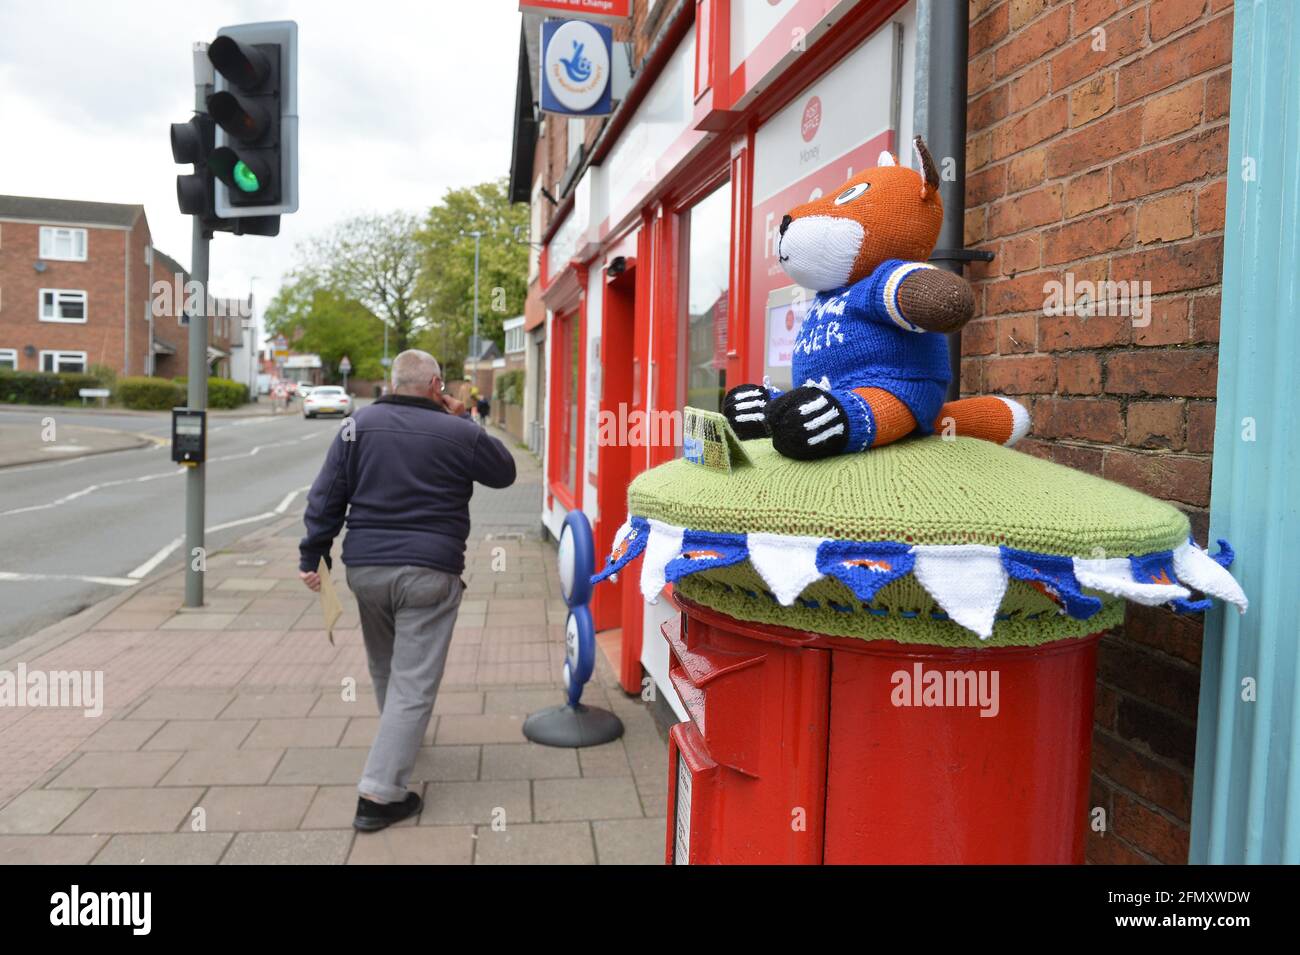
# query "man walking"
(400, 473)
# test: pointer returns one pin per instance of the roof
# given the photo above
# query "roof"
(73, 211)
(166, 263)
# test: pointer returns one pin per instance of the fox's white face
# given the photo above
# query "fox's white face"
(888, 212)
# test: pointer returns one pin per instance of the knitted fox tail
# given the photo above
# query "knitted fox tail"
(987, 417)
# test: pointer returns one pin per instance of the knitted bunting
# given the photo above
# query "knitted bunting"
(1198, 569)
(1114, 575)
(629, 542)
(1054, 577)
(967, 580)
(864, 568)
(665, 543)
(702, 550)
(788, 564)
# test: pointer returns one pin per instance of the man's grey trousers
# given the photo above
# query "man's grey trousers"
(407, 615)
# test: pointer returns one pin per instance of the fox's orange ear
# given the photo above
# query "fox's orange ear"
(929, 174)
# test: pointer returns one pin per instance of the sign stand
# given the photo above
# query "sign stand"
(571, 724)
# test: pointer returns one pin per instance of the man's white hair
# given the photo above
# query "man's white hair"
(414, 370)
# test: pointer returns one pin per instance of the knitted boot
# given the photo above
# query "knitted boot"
(808, 423)
(745, 407)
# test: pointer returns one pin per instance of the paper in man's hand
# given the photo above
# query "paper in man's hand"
(330, 607)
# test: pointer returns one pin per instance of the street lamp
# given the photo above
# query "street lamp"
(252, 353)
(478, 235)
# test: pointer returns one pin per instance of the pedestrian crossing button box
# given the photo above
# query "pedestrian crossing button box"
(189, 435)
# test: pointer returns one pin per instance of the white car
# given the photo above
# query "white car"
(326, 399)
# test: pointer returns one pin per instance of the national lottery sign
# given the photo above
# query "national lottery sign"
(576, 58)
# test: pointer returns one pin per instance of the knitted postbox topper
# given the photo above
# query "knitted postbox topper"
(870, 359)
(954, 542)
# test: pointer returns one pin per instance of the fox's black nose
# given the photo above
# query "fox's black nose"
(785, 224)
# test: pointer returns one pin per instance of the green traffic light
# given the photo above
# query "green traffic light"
(245, 178)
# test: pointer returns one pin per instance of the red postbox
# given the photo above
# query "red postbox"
(803, 748)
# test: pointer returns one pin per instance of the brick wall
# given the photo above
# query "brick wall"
(1097, 146)
(111, 335)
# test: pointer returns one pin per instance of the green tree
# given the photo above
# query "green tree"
(321, 320)
(446, 283)
(375, 260)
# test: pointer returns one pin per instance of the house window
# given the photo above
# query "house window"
(62, 305)
(68, 245)
(63, 361)
(8, 359)
(704, 338)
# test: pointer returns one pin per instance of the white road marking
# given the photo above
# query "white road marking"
(168, 549)
(111, 581)
(67, 498)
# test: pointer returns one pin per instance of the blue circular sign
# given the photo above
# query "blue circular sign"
(577, 560)
(579, 651)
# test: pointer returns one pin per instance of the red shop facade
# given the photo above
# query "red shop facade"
(658, 270)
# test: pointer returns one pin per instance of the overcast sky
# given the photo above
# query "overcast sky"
(398, 101)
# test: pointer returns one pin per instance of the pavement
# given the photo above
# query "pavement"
(236, 734)
(75, 530)
(36, 438)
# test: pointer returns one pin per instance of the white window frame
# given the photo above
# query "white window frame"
(50, 234)
(59, 356)
(9, 355)
(58, 294)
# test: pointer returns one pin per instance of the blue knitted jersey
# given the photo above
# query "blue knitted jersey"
(856, 337)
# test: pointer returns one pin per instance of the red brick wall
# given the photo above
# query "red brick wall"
(103, 337)
(1109, 164)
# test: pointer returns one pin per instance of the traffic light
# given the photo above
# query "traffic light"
(254, 106)
(193, 142)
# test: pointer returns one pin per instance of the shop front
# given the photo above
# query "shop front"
(659, 273)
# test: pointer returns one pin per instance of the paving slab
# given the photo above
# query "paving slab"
(550, 843)
(132, 810)
(167, 848)
(40, 811)
(427, 845)
(326, 847)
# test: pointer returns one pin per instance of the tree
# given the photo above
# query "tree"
(446, 284)
(320, 320)
(375, 260)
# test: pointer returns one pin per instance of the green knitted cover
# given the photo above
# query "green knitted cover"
(921, 491)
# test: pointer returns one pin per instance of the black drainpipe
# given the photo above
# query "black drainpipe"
(939, 114)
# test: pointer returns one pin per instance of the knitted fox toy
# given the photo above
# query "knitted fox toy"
(871, 354)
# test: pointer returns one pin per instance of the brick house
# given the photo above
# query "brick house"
(74, 289)
(171, 341)
(1096, 156)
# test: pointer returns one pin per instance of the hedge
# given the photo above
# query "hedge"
(510, 387)
(149, 394)
(42, 387)
(222, 392)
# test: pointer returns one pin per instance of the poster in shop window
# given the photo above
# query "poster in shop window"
(825, 135)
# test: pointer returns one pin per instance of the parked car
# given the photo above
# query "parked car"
(326, 399)
(305, 390)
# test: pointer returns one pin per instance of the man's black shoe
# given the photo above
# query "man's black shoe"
(373, 816)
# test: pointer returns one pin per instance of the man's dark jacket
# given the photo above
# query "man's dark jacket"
(402, 479)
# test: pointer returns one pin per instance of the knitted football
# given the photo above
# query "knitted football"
(953, 542)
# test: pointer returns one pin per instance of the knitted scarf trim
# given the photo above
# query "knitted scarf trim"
(967, 581)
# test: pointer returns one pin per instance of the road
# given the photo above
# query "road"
(73, 532)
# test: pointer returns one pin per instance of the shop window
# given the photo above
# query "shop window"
(564, 411)
(704, 341)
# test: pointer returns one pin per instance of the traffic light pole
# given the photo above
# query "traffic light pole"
(197, 386)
